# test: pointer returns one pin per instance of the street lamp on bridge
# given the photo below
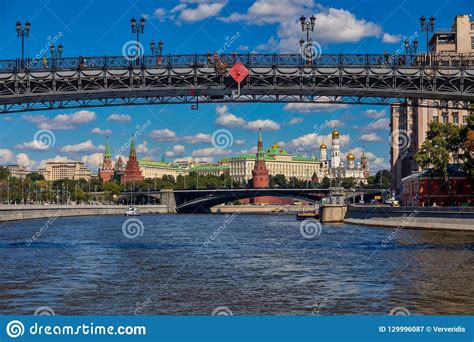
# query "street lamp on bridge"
(23, 31)
(55, 53)
(307, 25)
(138, 27)
(410, 49)
(427, 26)
(157, 50)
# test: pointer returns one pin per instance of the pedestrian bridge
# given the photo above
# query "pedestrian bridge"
(83, 82)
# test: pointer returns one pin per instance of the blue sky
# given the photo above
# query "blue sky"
(99, 27)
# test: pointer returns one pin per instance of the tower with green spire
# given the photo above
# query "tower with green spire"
(132, 170)
(106, 169)
(260, 173)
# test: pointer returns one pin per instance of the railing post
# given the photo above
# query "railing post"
(169, 60)
(248, 58)
(105, 62)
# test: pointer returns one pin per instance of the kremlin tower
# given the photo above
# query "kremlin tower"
(106, 170)
(261, 178)
(132, 170)
(260, 172)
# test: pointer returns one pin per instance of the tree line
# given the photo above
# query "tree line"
(35, 189)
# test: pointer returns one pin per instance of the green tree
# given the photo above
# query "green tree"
(279, 181)
(112, 189)
(442, 145)
(4, 172)
(467, 139)
(325, 183)
(382, 179)
(35, 176)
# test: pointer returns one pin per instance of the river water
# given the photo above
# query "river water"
(241, 264)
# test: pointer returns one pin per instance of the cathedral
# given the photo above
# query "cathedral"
(336, 168)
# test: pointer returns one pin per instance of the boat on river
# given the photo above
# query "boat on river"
(132, 211)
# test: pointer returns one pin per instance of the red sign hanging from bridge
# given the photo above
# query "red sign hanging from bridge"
(238, 72)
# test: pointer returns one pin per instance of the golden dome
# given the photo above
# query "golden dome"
(335, 134)
(350, 156)
(323, 145)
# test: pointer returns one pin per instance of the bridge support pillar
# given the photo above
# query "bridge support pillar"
(333, 212)
(167, 198)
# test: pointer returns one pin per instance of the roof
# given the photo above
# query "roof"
(454, 170)
(271, 157)
(159, 164)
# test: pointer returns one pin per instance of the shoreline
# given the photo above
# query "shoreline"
(419, 224)
(20, 213)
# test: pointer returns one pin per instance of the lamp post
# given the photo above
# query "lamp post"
(427, 26)
(138, 27)
(410, 49)
(23, 31)
(55, 53)
(157, 50)
(307, 26)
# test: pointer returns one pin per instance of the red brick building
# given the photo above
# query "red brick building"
(260, 175)
(419, 189)
(132, 171)
(106, 170)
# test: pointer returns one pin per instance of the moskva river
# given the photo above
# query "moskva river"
(236, 264)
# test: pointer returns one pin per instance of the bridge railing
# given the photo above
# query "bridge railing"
(249, 60)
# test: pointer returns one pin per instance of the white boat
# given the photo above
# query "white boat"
(132, 211)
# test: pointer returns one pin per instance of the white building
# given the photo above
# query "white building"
(65, 170)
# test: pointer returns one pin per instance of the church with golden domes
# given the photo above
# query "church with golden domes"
(337, 168)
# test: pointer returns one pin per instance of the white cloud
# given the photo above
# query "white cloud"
(34, 145)
(163, 135)
(86, 146)
(375, 163)
(92, 161)
(264, 125)
(375, 114)
(6, 156)
(203, 10)
(380, 124)
(62, 121)
(211, 152)
(312, 141)
(332, 25)
(198, 138)
(97, 130)
(239, 142)
(295, 121)
(370, 137)
(24, 160)
(391, 38)
(143, 147)
(228, 119)
(119, 118)
(160, 14)
(176, 151)
(314, 107)
(250, 151)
